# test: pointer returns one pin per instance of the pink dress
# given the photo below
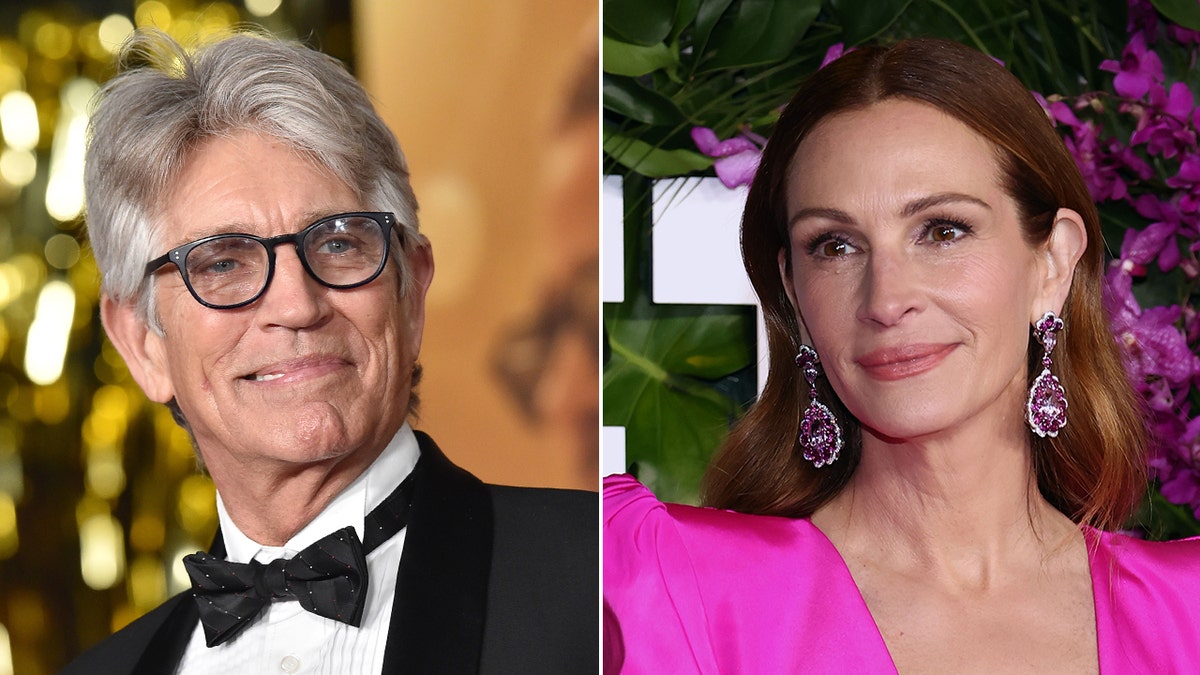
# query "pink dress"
(698, 590)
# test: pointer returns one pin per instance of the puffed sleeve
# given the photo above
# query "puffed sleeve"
(653, 615)
(1147, 612)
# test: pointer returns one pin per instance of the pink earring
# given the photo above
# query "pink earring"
(820, 435)
(1046, 410)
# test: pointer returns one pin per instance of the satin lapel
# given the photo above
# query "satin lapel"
(441, 593)
(166, 648)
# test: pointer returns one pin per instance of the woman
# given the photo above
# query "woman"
(929, 263)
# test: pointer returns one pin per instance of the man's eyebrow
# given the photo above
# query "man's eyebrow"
(242, 227)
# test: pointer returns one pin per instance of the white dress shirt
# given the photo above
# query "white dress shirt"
(285, 638)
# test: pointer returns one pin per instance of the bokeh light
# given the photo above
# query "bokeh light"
(263, 8)
(19, 120)
(112, 32)
(79, 442)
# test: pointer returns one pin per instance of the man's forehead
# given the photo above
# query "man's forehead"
(249, 182)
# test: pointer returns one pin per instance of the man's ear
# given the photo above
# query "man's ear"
(1064, 248)
(142, 348)
(420, 270)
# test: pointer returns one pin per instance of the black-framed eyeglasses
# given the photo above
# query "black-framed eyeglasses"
(227, 271)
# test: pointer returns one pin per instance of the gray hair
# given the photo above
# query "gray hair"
(165, 102)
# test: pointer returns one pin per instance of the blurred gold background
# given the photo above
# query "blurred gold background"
(497, 108)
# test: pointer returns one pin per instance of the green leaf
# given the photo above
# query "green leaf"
(709, 13)
(685, 13)
(622, 58)
(642, 22)
(756, 32)
(862, 21)
(673, 420)
(1186, 13)
(668, 435)
(717, 343)
(625, 96)
(1163, 521)
(650, 161)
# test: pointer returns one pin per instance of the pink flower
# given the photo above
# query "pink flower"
(1099, 164)
(1163, 124)
(1177, 462)
(1138, 69)
(1183, 35)
(737, 157)
(1147, 245)
(834, 53)
(1152, 346)
(1142, 17)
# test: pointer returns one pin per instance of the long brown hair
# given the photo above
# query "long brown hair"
(1094, 471)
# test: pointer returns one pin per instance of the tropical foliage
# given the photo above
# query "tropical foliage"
(693, 87)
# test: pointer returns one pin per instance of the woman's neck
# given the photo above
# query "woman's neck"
(959, 505)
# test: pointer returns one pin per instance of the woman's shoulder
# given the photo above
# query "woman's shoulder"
(692, 589)
(630, 507)
(1130, 552)
(645, 538)
(1147, 619)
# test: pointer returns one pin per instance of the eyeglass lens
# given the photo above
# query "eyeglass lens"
(340, 252)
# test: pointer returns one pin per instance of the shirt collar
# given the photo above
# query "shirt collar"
(349, 508)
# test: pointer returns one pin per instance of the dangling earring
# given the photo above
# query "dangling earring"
(820, 435)
(1046, 410)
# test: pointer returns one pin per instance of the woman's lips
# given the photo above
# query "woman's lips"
(897, 363)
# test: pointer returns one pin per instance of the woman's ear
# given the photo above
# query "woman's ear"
(789, 287)
(142, 348)
(785, 276)
(1062, 251)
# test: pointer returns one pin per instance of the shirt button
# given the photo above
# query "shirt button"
(289, 664)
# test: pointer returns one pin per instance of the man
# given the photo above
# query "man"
(263, 275)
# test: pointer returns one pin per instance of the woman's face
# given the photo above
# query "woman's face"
(909, 272)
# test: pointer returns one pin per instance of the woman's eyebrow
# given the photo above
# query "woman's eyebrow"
(824, 213)
(924, 203)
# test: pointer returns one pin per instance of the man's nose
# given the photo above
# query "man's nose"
(293, 299)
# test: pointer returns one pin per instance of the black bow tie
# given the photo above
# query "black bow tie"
(328, 578)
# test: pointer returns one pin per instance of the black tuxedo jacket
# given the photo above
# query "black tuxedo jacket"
(492, 580)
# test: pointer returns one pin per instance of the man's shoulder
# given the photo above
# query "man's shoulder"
(543, 595)
(120, 652)
(550, 514)
(555, 503)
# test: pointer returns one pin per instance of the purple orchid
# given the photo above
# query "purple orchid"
(1183, 36)
(737, 158)
(1151, 344)
(1177, 465)
(1157, 173)
(1143, 18)
(835, 52)
(1099, 163)
(1142, 247)
(1163, 125)
(1138, 68)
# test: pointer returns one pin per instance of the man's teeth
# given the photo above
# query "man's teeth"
(267, 377)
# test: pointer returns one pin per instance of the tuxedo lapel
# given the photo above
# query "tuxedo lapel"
(441, 592)
(165, 649)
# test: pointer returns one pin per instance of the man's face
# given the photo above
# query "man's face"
(305, 374)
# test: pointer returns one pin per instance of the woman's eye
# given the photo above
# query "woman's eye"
(833, 248)
(945, 232)
(830, 247)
